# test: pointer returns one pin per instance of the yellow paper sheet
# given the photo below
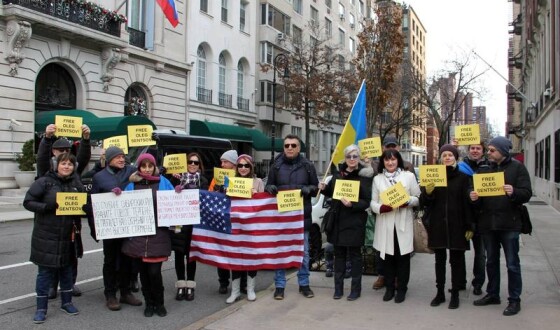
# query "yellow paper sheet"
(350, 189)
(370, 147)
(395, 196)
(176, 163)
(433, 173)
(240, 187)
(289, 200)
(68, 126)
(140, 135)
(70, 203)
(489, 184)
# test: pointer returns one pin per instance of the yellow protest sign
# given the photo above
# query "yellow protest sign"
(489, 184)
(70, 203)
(68, 126)
(116, 141)
(289, 200)
(467, 134)
(370, 147)
(221, 173)
(240, 187)
(395, 196)
(433, 173)
(140, 135)
(349, 189)
(176, 163)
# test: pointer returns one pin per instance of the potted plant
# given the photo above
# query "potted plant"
(26, 160)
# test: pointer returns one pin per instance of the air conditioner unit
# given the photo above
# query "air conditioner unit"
(342, 17)
(281, 36)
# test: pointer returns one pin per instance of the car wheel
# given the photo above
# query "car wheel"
(316, 253)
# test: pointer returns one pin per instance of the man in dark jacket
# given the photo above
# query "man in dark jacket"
(499, 223)
(116, 266)
(470, 165)
(293, 171)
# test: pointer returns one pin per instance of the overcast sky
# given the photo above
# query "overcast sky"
(481, 25)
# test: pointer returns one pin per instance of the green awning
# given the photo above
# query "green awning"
(262, 142)
(223, 131)
(101, 127)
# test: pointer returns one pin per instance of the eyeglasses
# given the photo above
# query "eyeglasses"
(194, 162)
(491, 150)
(288, 145)
(243, 165)
(352, 156)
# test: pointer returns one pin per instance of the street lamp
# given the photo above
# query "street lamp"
(284, 59)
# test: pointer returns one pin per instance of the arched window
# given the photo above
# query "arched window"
(135, 102)
(242, 104)
(54, 89)
(222, 79)
(202, 94)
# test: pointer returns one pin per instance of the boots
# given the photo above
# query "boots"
(355, 288)
(149, 310)
(379, 283)
(41, 313)
(439, 298)
(329, 268)
(66, 303)
(454, 301)
(181, 286)
(235, 291)
(338, 285)
(189, 295)
(251, 295)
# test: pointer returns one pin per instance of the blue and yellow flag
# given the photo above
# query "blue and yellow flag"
(355, 128)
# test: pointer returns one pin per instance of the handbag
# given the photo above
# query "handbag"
(420, 237)
(526, 225)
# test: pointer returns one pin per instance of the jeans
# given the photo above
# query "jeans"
(479, 263)
(303, 271)
(509, 241)
(45, 277)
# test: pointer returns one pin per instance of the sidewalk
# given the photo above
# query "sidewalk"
(540, 305)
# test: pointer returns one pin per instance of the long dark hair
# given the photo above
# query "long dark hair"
(388, 154)
(200, 165)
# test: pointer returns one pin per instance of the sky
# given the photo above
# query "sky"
(458, 26)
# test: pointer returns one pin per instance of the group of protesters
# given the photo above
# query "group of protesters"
(455, 215)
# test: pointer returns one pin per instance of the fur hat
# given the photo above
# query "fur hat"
(501, 144)
(62, 143)
(112, 152)
(230, 156)
(452, 149)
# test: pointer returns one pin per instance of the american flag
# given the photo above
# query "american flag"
(261, 237)
(214, 212)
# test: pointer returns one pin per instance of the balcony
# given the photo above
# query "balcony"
(136, 38)
(242, 104)
(224, 100)
(204, 95)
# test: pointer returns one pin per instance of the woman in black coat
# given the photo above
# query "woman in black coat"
(52, 241)
(349, 230)
(449, 218)
(182, 235)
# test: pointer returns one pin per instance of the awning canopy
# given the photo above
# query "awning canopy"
(101, 127)
(260, 141)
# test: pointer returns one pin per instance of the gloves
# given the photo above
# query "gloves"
(430, 188)
(87, 209)
(306, 190)
(117, 191)
(271, 189)
(178, 188)
(385, 208)
(50, 207)
(469, 235)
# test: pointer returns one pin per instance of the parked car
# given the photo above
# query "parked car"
(317, 239)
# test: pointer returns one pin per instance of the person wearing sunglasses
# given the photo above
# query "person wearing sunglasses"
(245, 169)
(499, 223)
(291, 170)
(349, 230)
(182, 235)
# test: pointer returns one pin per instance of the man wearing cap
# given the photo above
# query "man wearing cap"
(116, 265)
(290, 171)
(51, 146)
(499, 223)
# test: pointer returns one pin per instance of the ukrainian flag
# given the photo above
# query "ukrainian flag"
(355, 128)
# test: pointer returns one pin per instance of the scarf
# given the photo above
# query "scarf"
(190, 180)
(392, 177)
(148, 176)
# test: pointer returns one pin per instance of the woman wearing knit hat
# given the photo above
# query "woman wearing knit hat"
(182, 235)
(153, 250)
(245, 169)
(449, 220)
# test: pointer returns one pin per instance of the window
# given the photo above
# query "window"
(268, 51)
(351, 20)
(547, 158)
(341, 38)
(272, 17)
(296, 130)
(328, 28)
(242, 104)
(266, 91)
(314, 138)
(352, 45)
(341, 10)
(224, 11)
(297, 36)
(298, 6)
(242, 16)
(201, 71)
(141, 24)
(222, 73)
(204, 6)
(361, 8)
(314, 16)
(557, 156)
(328, 3)
(341, 62)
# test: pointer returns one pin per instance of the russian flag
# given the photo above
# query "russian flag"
(168, 7)
(355, 128)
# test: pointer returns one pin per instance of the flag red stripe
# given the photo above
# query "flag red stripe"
(262, 266)
(254, 245)
(245, 256)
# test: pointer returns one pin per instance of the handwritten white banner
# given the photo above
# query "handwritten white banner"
(178, 209)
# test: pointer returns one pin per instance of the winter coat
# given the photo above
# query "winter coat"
(158, 245)
(287, 174)
(45, 159)
(350, 222)
(448, 212)
(503, 212)
(398, 219)
(180, 240)
(470, 167)
(52, 238)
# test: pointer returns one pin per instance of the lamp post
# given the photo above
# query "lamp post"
(283, 58)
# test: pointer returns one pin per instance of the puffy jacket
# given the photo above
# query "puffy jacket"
(52, 237)
(503, 212)
(350, 222)
(449, 212)
(44, 155)
(158, 245)
(287, 174)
